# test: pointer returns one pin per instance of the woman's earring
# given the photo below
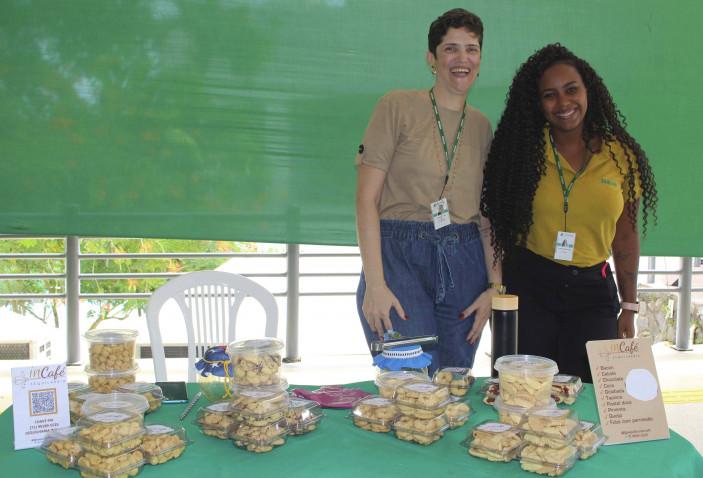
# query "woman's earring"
(434, 70)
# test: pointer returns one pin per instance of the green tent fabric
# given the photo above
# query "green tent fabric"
(237, 119)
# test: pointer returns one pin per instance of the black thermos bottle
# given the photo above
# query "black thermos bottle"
(503, 328)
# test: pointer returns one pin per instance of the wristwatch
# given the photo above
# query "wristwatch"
(633, 306)
(499, 287)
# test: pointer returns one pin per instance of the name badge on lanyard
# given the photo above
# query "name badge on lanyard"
(440, 213)
(564, 247)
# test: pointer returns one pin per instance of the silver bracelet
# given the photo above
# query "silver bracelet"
(633, 306)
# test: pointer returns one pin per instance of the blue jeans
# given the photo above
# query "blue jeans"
(435, 275)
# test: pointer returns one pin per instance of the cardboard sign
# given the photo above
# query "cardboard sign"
(39, 403)
(627, 390)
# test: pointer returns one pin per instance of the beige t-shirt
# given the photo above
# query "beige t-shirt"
(402, 139)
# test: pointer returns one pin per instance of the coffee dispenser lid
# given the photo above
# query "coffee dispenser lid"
(504, 302)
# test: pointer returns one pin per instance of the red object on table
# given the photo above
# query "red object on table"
(332, 396)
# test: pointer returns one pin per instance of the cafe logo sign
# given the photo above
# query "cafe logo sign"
(622, 349)
(32, 374)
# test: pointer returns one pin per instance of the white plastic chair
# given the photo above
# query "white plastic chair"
(209, 302)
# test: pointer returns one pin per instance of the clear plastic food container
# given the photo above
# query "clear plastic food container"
(256, 362)
(302, 416)
(422, 400)
(111, 350)
(551, 427)
(162, 443)
(588, 439)
(258, 405)
(125, 465)
(514, 415)
(105, 382)
(423, 432)
(215, 420)
(153, 393)
(494, 441)
(548, 461)
(457, 413)
(566, 388)
(259, 439)
(77, 398)
(115, 401)
(374, 413)
(388, 381)
(457, 379)
(111, 433)
(62, 447)
(525, 380)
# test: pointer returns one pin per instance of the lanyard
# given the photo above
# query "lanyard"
(448, 157)
(566, 190)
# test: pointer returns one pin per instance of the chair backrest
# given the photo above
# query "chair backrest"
(209, 302)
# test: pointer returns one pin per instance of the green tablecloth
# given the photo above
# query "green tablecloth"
(339, 449)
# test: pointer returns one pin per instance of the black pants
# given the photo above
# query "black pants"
(561, 308)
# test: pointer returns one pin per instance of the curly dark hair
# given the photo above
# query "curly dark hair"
(516, 161)
(455, 18)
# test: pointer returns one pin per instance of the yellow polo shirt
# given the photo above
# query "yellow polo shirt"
(595, 203)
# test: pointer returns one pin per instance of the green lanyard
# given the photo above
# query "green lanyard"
(448, 157)
(566, 190)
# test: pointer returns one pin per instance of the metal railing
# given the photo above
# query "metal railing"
(292, 274)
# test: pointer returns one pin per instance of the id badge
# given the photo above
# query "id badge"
(440, 213)
(564, 247)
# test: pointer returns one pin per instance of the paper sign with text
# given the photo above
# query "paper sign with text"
(39, 402)
(627, 390)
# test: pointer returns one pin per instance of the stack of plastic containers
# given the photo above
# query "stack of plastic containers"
(549, 437)
(459, 381)
(422, 408)
(111, 358)
(259, 401)
(374, 413)
(388, 381)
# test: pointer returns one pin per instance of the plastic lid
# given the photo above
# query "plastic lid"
(142, 388)
(257, 346)
(111, 373)
(76, 387)
(115, 401)
(526, 365)
(395, 378)
(111, 336)
(501, 406)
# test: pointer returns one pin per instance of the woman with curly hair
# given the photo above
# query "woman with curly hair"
(417, 204)
(562, 188)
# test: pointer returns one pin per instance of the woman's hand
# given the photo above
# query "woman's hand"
(482, 308)
(377, 307)
(626, 324)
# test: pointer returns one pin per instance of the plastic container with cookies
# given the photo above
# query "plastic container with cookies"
(388, 381)
(125, 465)
(256, 362)
(374, 413)
(259, 406)
(566, 388)
(525, 380)
(588, 439)
(115, 401)
(422, 400)
(514, 415)
(259, 439)
(110, 433)
(302, 416)
(457, 413)
(548, 461)
(162, 443)
(151, 392)
(215, 420)
(494, 441)
(553, 428)
(419, 431)
(77, 398)
(61, 446)
(457, 379)
(111, 350)
(105, 382)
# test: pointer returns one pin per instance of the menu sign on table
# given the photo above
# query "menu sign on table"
(627, 390)
(39, 402)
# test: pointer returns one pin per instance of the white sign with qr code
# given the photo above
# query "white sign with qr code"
(39, 402)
